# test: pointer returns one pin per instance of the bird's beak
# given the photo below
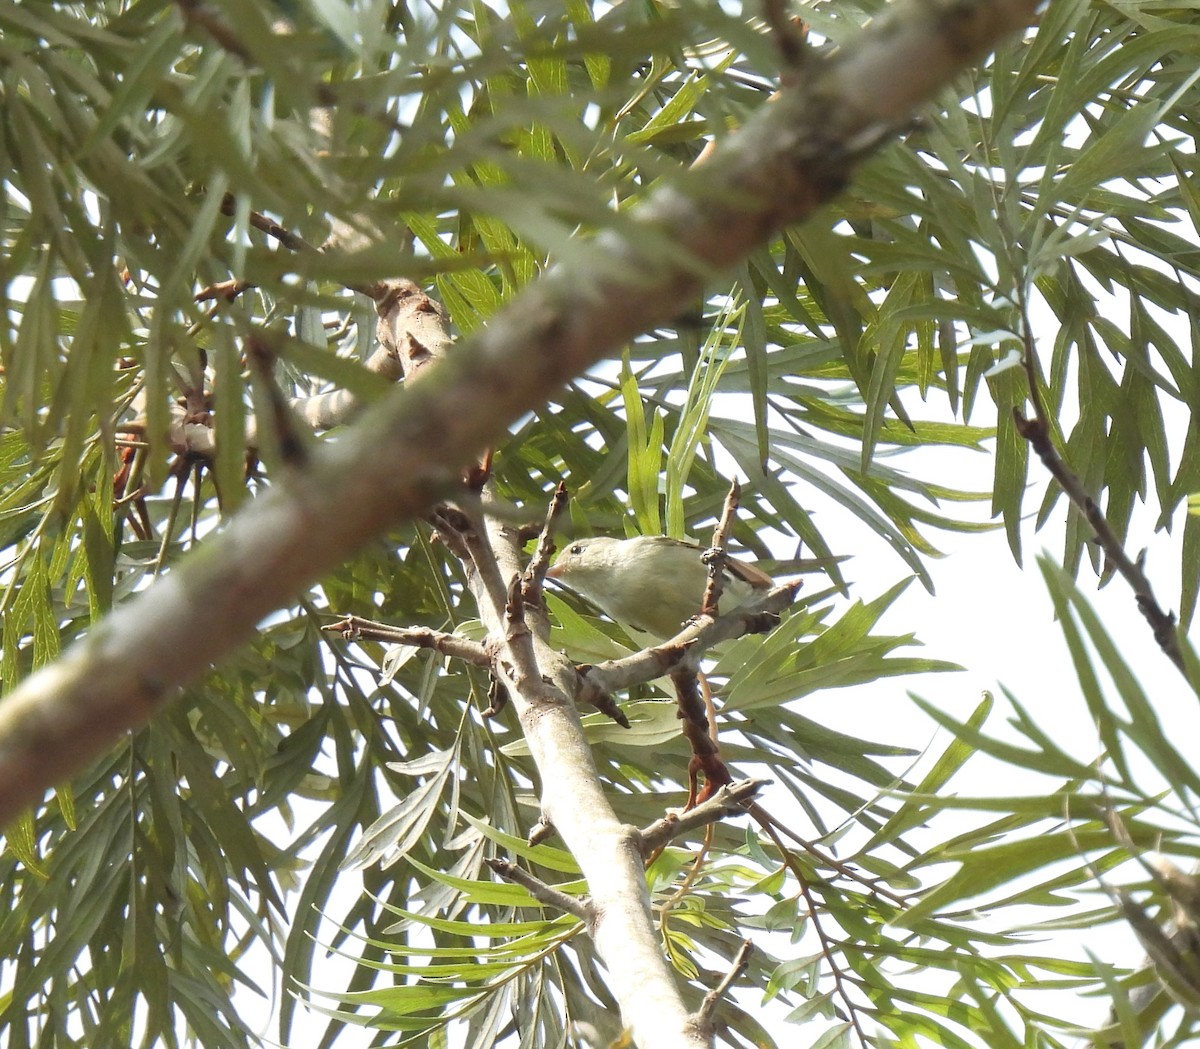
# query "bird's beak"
(554, 573)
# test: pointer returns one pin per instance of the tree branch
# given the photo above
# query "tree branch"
(609, 852)
(685, 650)
(545, 894)
(407, 451)
(1037, 432)
(716, 556)
(731, 800)
(354, 628)
(703, 1017)
(535, 572)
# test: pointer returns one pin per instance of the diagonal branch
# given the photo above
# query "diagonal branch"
(703, 1017)
(547, 895)
(1037, 432)
(539, 681)
(684, 651)
(733, 799)
(407, 451)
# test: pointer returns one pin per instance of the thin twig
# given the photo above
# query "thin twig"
(827, 949)
(290, 435)
(872, 885)
(715, 556)
(684, 887)
(1037, 432)
(231, 289)
(291, 241)
(731, 800)
(535, 573)
(703, 1015)
(227, 290)
(540, 891)
(353, 628)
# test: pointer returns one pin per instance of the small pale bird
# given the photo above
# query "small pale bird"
(651, 582)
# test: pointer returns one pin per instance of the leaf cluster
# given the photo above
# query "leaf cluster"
(469, 147)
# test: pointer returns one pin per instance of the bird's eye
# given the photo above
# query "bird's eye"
(576, 548)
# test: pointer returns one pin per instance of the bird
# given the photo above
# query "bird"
(652, 583)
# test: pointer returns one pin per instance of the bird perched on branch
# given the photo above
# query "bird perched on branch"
(652, 583)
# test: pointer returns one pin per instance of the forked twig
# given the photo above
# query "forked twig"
(827, 949)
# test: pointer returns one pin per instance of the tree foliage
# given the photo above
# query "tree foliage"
(200, 200)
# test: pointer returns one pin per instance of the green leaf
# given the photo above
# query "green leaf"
(645, 455)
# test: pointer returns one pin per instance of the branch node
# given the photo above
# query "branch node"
(541, 831)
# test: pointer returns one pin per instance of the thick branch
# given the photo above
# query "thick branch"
(407, 451)
(609, 852)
